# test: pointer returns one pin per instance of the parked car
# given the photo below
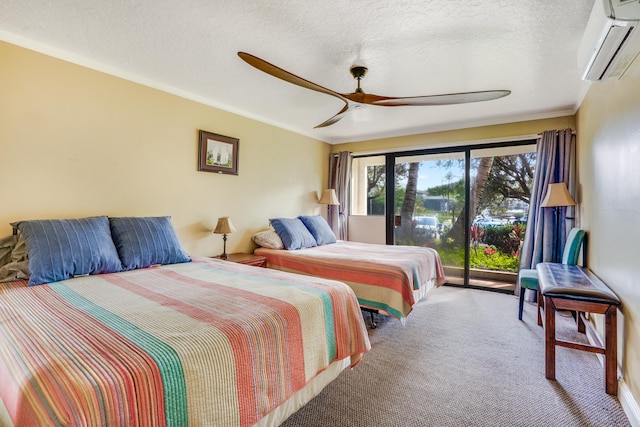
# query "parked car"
(522, 220)
(488, 222)
(428, 224)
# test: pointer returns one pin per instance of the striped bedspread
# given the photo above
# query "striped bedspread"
(387, 278)
(206, 343)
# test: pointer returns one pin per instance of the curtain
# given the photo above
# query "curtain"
(339, 179)
(554, 163)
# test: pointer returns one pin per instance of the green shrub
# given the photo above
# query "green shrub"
(492, 248)
(497, 236)
(496, 261)
(487, 258)
(506, 238)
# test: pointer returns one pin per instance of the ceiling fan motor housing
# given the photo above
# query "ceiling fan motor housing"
(358, 71)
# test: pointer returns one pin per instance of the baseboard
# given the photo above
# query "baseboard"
(628, 402)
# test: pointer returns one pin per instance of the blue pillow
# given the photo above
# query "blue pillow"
(60, 249)
(319, 229)
(146, 241)
(293, 233)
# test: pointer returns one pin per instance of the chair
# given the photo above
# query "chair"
(528, 278)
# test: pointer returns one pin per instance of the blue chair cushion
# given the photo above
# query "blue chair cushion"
(571, 251)
(528, 279)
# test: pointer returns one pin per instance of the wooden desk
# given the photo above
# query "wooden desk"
(570, 287)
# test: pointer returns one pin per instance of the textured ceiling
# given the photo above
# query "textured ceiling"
(411, 47)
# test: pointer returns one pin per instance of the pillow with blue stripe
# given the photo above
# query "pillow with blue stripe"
(145, 241)
(319, 229)
(293, 233)
(59, 249)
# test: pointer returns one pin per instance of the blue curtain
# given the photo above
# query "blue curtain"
(339, 179)
(554, 163)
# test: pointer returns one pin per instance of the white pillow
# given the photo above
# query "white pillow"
(268, 239)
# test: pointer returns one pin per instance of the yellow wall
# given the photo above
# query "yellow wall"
(609, 201)
(76, 142)
(505, 132)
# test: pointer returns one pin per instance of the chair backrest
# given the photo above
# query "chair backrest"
(571, 251)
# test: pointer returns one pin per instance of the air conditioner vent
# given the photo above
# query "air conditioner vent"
(610, 42)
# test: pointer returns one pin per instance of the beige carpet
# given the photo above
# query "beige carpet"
(464, 359)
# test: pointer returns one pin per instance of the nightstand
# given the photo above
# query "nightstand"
(248, 259)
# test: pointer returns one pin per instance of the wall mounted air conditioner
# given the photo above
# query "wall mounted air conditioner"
(611, 41)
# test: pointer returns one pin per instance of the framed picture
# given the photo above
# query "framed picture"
(218, 153)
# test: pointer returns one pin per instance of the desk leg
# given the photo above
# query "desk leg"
(611, 351)
(550, 339)
(580, 321)
(540, 301)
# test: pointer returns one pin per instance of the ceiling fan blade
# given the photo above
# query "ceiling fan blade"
(335, 118)
(356, 99)
(445, 99)
(278, 72)
(365, 98)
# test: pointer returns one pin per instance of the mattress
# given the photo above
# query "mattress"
(202, 343)
(389, 279)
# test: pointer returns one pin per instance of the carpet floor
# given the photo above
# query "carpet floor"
(464, 359)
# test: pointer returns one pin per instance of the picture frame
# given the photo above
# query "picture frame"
(217, 153)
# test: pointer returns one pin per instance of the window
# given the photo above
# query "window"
(368, 185)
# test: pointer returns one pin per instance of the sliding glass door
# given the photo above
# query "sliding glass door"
(429, 203)
(468, 203)
(499, 201)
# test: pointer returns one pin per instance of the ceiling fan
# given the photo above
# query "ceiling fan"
(356, 99)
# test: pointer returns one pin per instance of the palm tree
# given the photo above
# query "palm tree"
(409, 202)
(477, 188)
(404, 232)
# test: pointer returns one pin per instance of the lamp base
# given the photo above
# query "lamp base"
(224, 247)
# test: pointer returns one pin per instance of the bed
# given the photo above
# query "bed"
(194, 342)
(386, 279)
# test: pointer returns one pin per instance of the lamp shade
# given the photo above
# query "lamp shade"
(557, 195)
(329, 197)
(224, 226)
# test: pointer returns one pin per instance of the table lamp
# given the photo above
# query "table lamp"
(557, 196)
(329, 197)
(224, 227)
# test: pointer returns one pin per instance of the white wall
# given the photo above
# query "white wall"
(367, 229)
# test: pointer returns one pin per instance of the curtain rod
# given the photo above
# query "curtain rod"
(573, 132)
